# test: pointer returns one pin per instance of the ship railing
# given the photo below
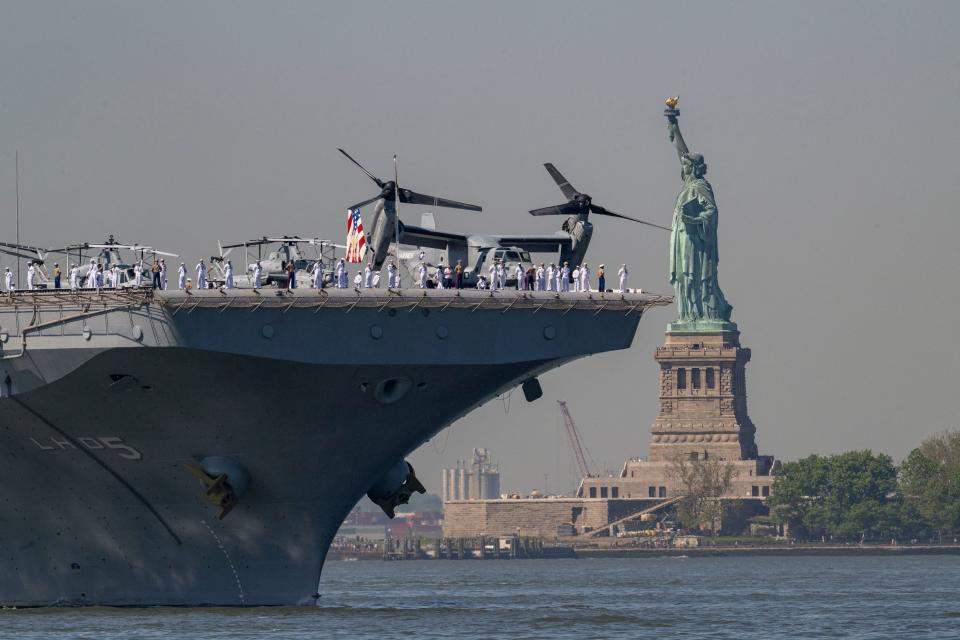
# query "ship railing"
(410, 300)
(100, 298)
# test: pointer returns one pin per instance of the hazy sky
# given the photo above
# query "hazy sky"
(829, 130)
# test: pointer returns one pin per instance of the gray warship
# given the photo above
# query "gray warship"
(203, 447)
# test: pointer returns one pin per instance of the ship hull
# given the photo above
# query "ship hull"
(98, 506)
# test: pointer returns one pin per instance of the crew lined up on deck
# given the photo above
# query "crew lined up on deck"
(543, 277)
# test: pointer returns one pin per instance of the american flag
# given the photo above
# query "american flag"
(356, 241)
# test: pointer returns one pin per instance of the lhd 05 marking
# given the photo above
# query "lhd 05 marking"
(103, 442)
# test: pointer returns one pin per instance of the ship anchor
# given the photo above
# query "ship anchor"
(215, 473)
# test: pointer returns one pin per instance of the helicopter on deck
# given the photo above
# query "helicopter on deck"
(86, 254)
(274, 265)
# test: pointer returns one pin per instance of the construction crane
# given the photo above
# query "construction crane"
(574, 438)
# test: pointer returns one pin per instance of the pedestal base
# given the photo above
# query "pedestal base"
(703, 399)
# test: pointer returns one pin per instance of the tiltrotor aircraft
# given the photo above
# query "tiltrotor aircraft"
(476, 251)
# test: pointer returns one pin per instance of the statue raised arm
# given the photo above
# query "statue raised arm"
(673, 126)
(694, 255)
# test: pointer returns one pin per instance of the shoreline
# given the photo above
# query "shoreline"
(770, 550)
(576, 552)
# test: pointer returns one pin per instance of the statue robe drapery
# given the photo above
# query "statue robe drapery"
(694, 255)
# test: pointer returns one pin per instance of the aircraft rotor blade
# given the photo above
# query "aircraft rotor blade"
(379, 182)
(20, 247)
(597, 209)
(565, 186)
(366, 202)
(565, 209)
(412, 197)
(17, 254)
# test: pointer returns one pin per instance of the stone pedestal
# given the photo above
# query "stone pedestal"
(703, 397)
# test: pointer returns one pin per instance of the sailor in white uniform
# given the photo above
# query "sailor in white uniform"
(138, 273)
(358, 280)
(228, 275)
(257, 272)
(8, 280)
(74, 277)
(318, 268)
(540, 274)
(521, 277)
(565, 277)
(115, 277)
(375, 281)
(493, 276)
(341, 274)
(201, 275)
(623, 278)
(367, 276)
(31, 275)
(391, 275)
(440, 278)
(163, 273)
(576, 278)
(92, 275)
(585, 277)
(423, 276)
(182, 277)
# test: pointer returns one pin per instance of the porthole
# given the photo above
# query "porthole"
(549, 332)
(267, 331)
(376, 332)
(443, 332)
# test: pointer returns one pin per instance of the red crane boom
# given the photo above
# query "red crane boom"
(574, 437)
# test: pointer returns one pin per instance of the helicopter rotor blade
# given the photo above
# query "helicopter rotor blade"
(567, 208)
(377, 180)
(17, 254)
(412, 197)
(568, 191)
(597, 209)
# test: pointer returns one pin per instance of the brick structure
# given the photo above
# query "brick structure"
(531, 516)
(703, 399)
(543, 517)
(701, 415)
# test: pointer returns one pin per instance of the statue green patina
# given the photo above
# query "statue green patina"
(701, 305)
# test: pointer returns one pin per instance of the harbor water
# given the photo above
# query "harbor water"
(716, 597)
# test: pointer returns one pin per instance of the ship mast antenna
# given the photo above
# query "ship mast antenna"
(17, 187)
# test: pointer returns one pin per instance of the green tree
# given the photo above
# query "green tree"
(702, 483)
(930, 482)
(850, 496)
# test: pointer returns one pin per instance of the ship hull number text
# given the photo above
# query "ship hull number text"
(105, 443)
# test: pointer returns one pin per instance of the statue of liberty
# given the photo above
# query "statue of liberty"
(693, 242)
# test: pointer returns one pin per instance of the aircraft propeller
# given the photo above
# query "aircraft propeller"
(579, 204)
(390, 190)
